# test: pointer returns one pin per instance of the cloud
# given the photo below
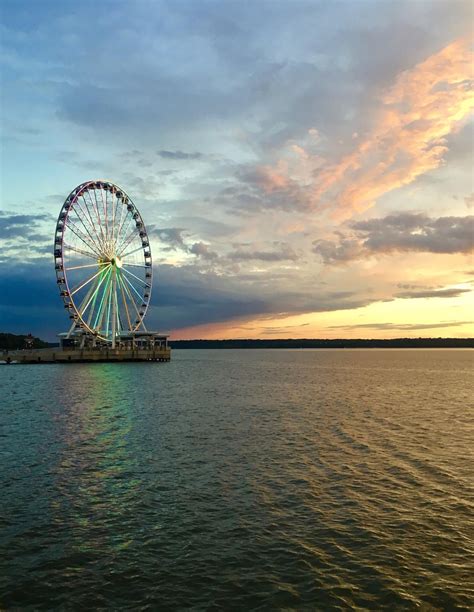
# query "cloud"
(282, 252)
(170, 236)
(179, 155)
(425, 104)
(407, 139)
(287, 329)
(342, 250)
(186, 295)
(203, 250)
(174, 239)
(25, 226)
(401, 232)
(418, 232)
(432, 293)
(401, 326)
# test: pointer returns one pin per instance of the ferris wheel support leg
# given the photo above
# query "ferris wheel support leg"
(81, 307)
(71, 330)
(114, 306)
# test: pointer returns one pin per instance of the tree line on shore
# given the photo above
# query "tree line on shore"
(292, 343)
(13, 342)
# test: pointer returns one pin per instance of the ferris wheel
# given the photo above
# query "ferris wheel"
(103, 261)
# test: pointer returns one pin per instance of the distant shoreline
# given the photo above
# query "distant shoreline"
(14, 341)
(309, 343)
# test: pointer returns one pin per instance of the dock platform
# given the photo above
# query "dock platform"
(86, 355)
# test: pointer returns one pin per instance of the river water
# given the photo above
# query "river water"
(240, 480)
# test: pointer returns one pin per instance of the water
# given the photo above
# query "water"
(240, 480)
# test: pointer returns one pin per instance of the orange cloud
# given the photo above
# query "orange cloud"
(424, 105)
(273, 178)
(408, 137)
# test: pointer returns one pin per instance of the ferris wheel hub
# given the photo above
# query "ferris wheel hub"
(116, 261)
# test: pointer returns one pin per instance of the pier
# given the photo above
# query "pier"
(85, 355)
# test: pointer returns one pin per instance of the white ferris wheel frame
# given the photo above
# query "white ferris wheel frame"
(106, 227)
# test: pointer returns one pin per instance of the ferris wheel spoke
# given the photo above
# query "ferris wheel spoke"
(131, 252)
(127, 290)
(78, 233)
(86, 301)
(100, 311)
(125, 303)
(117, 232)
(104, 208)
(137, 277)
(109, 304)
(104, 213)
(96, 209)
(97, 226)
(81, 219)
(115, 202)
(134, 265)
(116, 326)
(86, 282)
(93, 298)
(87, 213)
(94, 265)
(130, 296)
(140, 297)
(110, 213)
(114, 214)
(125, 225)
(81, 251)
(123, 241)
(128, 240)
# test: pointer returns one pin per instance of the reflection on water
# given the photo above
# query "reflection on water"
(238, 480)
(95, 476)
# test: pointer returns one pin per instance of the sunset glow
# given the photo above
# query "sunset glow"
(307, 185)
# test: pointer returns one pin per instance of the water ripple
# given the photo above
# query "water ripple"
(240, 480)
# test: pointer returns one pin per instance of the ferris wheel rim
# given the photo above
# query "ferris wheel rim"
(108, 254)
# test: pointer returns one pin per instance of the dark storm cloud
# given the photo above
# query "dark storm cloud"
(188, 297)
(402, 232)
(179, 155)
(25, 226)
(185, 296)
(40, 309)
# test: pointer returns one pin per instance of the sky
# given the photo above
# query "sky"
(304, 167)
